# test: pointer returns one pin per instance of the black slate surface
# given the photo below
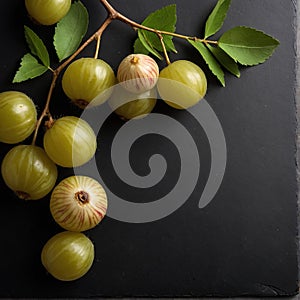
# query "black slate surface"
(243, 243)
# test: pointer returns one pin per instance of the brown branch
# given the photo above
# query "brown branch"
(118, 16)
(57, 71)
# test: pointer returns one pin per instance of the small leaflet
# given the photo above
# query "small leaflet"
(210, 60)
(29, 68)
(147, 45)
(36, 46)
(70, 30)
(216, 18)
(225, 60)
(163, 19)
(248, 46)
(139, 47)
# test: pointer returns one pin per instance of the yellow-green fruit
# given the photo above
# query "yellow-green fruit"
(88, 79)
(182, 84)
(70, 142)
(68, 255)
(128, 105)
(29, 172)
(138, 73)
(78, 203)
(17, 117)
(47, 12)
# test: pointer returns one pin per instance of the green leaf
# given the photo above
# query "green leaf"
(30, 68)
(147, 45)
(216, 18)
(139, 47)
(163, 19)
(248, 46)
(36, 46)
(210, 60)
(225, 60)
(70, 31)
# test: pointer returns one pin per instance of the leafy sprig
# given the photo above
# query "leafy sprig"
(29, 69)
(239, 45)
(68, 36)
(70, 31)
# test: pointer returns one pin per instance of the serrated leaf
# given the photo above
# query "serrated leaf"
(36, 46)
(148, 45)
(216, 18)
(139, 48)
(163, 19)
(30, 68)
(210, 60)
(248, 46)
(70, 30)
(225, 60)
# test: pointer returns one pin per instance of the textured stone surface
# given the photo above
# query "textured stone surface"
(298, 101)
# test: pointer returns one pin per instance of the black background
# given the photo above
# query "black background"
(243, 242)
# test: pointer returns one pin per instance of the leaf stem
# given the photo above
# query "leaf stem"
(161, 38)
(96, 35)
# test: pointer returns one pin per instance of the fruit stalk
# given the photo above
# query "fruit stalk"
(161, 38)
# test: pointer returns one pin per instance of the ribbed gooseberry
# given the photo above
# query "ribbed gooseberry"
(28, 171)
(88, 79)
(17, 117)
(70, 142)
(68, 255)
(47, 12)
(78, 203)
(182, 84)
(128, 105)
(138, 73)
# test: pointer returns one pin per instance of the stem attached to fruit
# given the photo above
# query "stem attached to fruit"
(161, 38)
(22, 195)
(82, 197)
(97, 47)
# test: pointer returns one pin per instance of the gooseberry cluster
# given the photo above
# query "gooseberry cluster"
(79, 203)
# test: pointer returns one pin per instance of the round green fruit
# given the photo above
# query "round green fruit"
(182, 84)
(68, 255)
(18, 117)
(128, 105)
(70, 142)
(88, 80)
(47, 12)
(29, 172)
